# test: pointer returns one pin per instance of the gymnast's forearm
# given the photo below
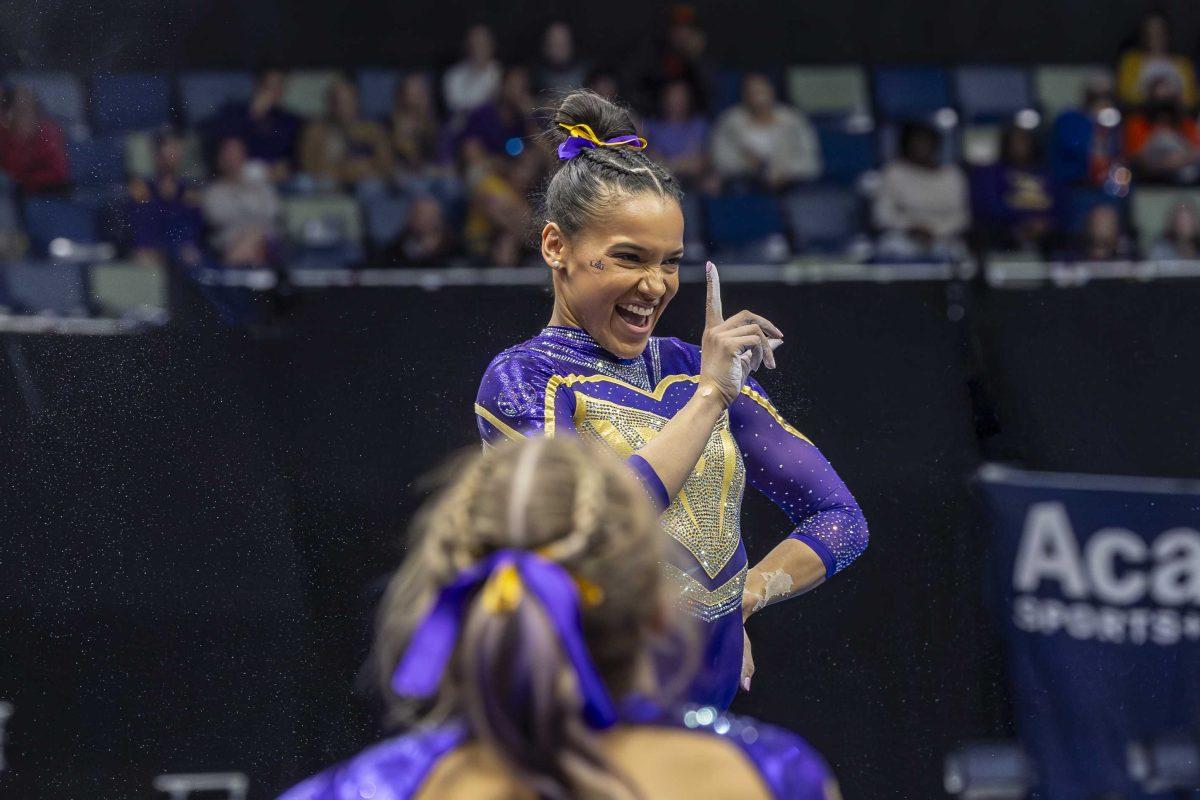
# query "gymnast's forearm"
(674, 451)
(790, 569)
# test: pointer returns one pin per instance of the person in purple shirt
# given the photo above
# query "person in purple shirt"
(269, 131)
(690, 421)
(515, 642)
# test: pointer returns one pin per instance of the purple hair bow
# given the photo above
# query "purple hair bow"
(424, 661)
(583, 138)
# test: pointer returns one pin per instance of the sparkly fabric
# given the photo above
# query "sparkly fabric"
(563, 381)
(702, 602)
(397, 768)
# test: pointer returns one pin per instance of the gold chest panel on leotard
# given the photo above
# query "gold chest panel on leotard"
(705, 517)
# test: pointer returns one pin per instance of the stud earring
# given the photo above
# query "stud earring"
(556, 264)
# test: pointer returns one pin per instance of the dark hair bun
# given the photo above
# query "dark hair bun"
(584, 107)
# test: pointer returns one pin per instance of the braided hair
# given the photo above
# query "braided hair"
(508, 679)
(583, 187)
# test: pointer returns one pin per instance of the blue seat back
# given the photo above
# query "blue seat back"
(736, 220)
(34, 287)
(385, 218)
(130, 101)
(846, 152)
(992, 93)
(377, 92)
(823, 218)
(201, 94)
(50, 218)
(98, 161)
(910, 92)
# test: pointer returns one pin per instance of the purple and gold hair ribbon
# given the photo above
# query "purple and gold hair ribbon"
(504, 577)
(584, 138)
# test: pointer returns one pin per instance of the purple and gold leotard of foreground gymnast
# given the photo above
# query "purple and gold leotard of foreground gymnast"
(562, 381)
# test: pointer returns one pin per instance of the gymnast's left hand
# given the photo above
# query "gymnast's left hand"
(747, 661)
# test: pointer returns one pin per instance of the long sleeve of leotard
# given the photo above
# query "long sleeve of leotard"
(788, 468)
(512, 404)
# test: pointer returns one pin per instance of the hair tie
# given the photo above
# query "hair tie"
(584, 138)
(505, 576)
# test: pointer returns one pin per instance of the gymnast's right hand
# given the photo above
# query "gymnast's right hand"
(732, 348)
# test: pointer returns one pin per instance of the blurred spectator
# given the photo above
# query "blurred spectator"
(560, 69)
(678, 137)
(345, 147)
(269, 132)
(497, 221)
(1014, 197)
(604, 83)
(242, 208)
(416, 128)
(505, 124)
(32, 149)
(921, 207)
(1180, 238)
(164, 212)
(1102, 238)
(1161, 141)
(473, 81)
(1151, 60)
(1085, 145)
(680, 54)
(426, 240)
(763, 143)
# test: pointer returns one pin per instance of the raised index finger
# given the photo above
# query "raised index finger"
(712, 304)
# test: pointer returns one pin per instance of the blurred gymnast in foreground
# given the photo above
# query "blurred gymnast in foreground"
(515, 641)
(690, 421)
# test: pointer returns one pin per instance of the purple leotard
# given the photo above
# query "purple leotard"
(563, 381)
(398, 767)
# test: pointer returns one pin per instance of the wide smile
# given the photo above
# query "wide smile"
(636, 316)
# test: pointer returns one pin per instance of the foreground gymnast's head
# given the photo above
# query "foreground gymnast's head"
(529, 531)
(613, 226)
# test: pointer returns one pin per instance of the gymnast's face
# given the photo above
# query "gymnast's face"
(617, 275)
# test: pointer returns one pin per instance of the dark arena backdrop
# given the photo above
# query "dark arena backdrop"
(198, 518)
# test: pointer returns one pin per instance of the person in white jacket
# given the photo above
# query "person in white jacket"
(764, 144)
(922, 208)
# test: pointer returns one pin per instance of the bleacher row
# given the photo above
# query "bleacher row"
(857, 112)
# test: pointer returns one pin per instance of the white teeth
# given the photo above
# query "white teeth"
(643, 311)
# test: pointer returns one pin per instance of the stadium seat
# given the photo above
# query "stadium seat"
(991, 93)
(1059, 87)
(203, 93)
(36, 287)
(130, 102)
(744, 223)
(99, 161)
(377, 92)
(60, 93)
(822, 218)
(139, 156)
(385, 219)
(1150, 209)
(846, 151)
(128, 291)
(50, 218)
(828, 90)
(910, 92)
(306, 91)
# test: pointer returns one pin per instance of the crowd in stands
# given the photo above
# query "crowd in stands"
(916, 169)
